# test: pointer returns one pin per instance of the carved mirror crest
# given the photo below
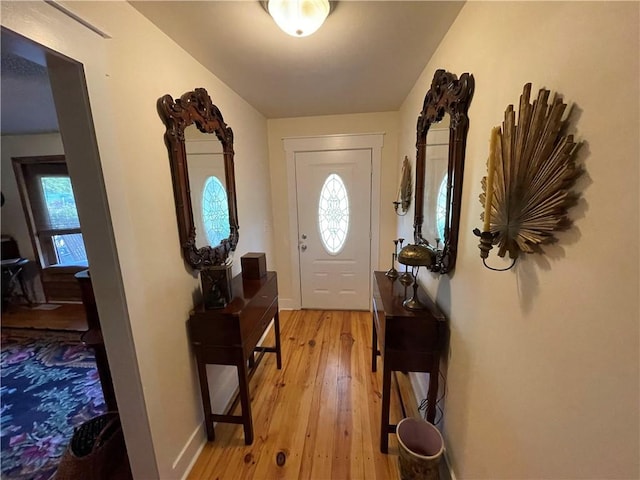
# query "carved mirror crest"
(202, 168)
(441, 142)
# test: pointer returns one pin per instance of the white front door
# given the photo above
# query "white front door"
(334, 228)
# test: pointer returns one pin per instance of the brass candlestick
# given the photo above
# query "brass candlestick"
(392, 273)
(406, 278)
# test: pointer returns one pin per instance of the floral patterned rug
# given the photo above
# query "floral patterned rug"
(49, 385)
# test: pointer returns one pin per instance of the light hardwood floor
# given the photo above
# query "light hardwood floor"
(64, 316)
(322, 410)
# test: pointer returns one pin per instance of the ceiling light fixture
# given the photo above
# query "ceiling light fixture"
(299, 18)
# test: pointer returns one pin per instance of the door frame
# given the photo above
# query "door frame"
(72, 68)
(327, 143)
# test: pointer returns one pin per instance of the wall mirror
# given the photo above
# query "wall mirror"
(202, 168)
(441, 142)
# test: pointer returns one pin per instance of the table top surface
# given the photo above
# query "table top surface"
(244, 289)
(393, 293)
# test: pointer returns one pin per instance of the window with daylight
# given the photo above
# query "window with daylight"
(441, 208)
(215, 211)
(47, 195)
(333, 214)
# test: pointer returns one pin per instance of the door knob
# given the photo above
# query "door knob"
(303, 247)
(304, 236)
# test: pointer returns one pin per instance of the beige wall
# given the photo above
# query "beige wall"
(543, 370)
(153, 368)
(387, 123)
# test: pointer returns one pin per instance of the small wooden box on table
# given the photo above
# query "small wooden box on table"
(254, 265)
(229, 336)
(409, 340)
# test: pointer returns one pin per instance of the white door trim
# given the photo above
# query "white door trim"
(293, 145)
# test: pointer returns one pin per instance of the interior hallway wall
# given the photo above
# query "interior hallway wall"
(543, 371)
(149, 351)
(384, 122)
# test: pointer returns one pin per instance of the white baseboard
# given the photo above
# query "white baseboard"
(225, 382)
(190, 452)
(452, 475)
(420, 384)
(287, 304)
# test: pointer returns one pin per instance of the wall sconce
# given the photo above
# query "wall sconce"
(403, 198)
(530, 173)
(415, 256)
(299, 18)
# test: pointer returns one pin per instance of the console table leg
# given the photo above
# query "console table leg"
(206, 400)
(374, 346)
(276, 328)
(386, 399)
(245, 402)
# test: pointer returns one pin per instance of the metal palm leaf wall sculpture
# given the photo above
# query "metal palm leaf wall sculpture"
(530, 173)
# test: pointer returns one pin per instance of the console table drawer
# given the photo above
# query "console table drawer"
(253, 338)
(205, 330)
(254, 311)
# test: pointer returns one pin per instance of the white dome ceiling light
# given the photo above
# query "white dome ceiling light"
(299, 18)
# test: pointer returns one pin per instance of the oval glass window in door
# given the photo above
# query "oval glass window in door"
(215, 211)
(441, 207)
(333, 214)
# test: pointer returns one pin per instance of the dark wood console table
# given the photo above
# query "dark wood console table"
(410, 341)
(229, 336)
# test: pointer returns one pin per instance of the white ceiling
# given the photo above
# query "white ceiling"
(365, 58)
(26, 98)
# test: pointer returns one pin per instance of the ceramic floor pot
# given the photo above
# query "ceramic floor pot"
(420, 446)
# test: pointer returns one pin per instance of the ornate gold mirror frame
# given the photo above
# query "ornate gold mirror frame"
(196, 107)
(447, 95)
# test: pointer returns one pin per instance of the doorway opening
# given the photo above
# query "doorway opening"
(47, 128)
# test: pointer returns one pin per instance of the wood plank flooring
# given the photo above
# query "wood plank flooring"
(63, 316)
(318, 417)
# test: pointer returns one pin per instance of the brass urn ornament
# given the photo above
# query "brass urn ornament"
(530, 173)
(416, 256)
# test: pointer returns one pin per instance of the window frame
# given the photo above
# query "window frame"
(27, 171)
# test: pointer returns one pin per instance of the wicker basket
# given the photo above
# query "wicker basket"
(96, 451)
